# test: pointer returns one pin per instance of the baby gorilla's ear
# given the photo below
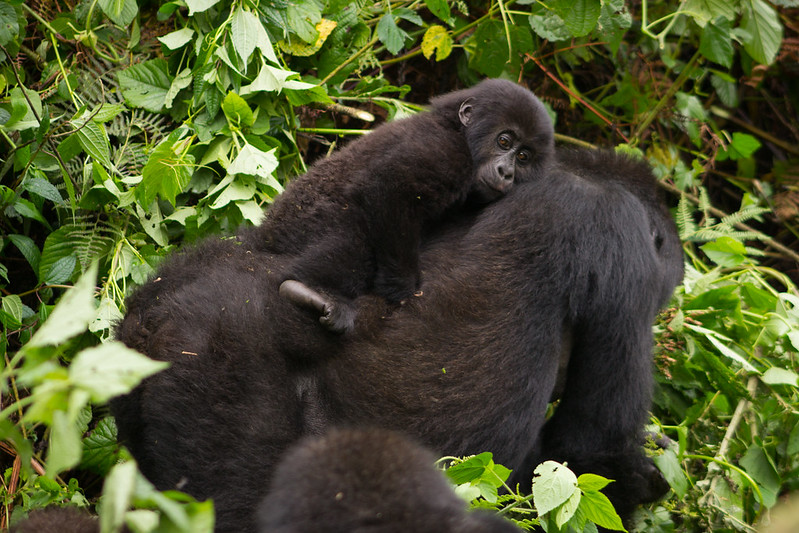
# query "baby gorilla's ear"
(465, 111)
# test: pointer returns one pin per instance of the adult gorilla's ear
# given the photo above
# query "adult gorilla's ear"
(465, 111)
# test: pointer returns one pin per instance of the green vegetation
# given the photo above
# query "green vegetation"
(129, 127)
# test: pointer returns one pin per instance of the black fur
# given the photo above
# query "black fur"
(569, 268)
(57, 520)
(354, 222)
(374, 481)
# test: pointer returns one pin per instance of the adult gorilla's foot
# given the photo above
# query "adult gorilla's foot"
(335, 316)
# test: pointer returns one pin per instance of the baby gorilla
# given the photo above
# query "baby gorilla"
(352, 481)
(353, 223)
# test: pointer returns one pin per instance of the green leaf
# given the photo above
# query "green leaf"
(121, 12)
(240, 189)
(793, 441)
(100, 448)
(780, 376)
(167, 172)
(716, 42)
(598, 509)
(108, 315)
(118, 490)
(592, 482)
(725, 252)
(762, 24)
(43, 188)
(12, 311)
(566, 510)
(470, 469)
(436, 40)
(28, 249)
(669, 465)
(245, 32)
(198, 6)
(253, 161)
(439, 8)
(177, 39)
(146, 84)
(111, 369)
(93, 138)
(60, 271)
(71, 315)
(237, 110)
(553, 485)
(579, 16)
(390, 34)
(9, 26)
(742, 146)
(760, 466)
(64, 451)
(27, 209)
(23, 116)
(181, 81)
(271, 79)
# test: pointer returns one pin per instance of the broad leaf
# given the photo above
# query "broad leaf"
(763, 25)
(146, 84)
(437, 40)
(716, 42)
(121, 12)
(390, 34)
(196, 6)
(111, 369)
(579, 16)
(71, 315)
(177, 39)
(553, 485)
(167, 172)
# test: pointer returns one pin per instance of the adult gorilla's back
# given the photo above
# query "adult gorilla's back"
(572, 267)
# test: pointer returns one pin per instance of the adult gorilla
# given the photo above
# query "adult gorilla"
(569, 268)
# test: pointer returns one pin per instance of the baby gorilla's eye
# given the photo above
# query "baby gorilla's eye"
(523, 157)
(504, 141)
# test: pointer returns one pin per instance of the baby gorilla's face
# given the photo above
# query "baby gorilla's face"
(510, 137)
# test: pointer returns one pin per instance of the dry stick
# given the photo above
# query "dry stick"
(723, 113)
(576, 96)
(740, 225)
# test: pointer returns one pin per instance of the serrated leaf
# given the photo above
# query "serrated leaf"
(146, 84)
(588, 482)
(111, 369)
(177, 39)
(27, 209)
(599, 510)
(23, 116)
(390, 34)
(121, 12)
(470, 469)
(579, 16)
(549, 26)
(71, 315)
(716, 42)
(553, 485)
(60, 271)
(763, 25)
(198, 6)
(100, 447)
(437, 40)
